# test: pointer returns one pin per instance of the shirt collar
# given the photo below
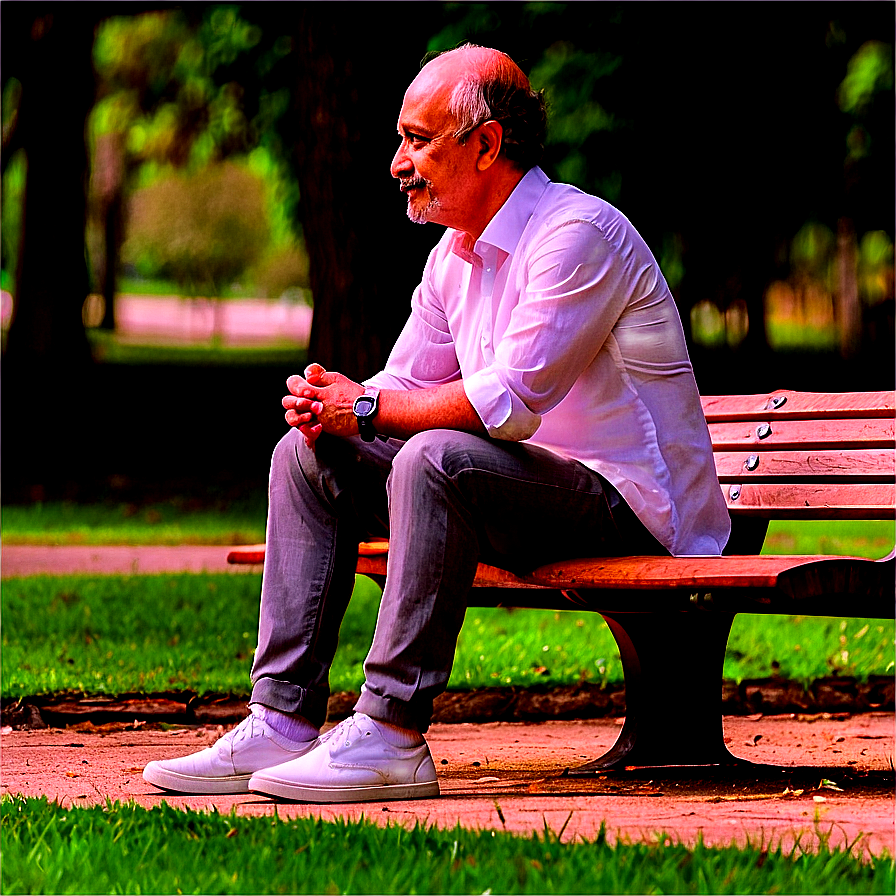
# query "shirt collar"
(507, 226)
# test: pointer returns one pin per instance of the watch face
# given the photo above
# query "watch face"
(364, 405)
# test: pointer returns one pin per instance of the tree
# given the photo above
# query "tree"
(47, 358)
(202, 229)
(38, 42)
(365, 256)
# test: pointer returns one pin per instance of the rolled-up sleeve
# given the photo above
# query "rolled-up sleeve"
(573, 287)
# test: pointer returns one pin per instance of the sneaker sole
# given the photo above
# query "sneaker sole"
(358, 794)
(168, 780)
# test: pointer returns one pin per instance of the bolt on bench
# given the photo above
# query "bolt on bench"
(781, 456)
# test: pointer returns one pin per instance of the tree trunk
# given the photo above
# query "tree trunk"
(365, 256)
(47, 351)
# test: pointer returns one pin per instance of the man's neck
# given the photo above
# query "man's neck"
(496, 193)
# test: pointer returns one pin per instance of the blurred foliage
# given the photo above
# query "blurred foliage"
(168, 95)
(13, 196)
(157, 87)
(573, 53)
(585, 58)
(875, 267)
(869, 78)
(201, 228)
(180, 89)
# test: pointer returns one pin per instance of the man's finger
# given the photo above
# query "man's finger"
(314, 371)
(302, 405)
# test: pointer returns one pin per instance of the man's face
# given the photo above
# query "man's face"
(434, 169)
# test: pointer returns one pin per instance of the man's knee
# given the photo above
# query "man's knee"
(442, 452)
(285, 457)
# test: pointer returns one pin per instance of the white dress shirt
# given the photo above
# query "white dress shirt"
(564, 332)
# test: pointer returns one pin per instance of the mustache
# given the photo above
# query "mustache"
(413, 183)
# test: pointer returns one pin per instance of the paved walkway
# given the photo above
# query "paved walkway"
(511, 776)
(825, 776)
(26, 560)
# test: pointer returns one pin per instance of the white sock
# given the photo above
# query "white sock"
(290, 725)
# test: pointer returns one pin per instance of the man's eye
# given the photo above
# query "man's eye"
(416, 139)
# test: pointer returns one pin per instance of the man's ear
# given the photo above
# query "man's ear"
(490, 135)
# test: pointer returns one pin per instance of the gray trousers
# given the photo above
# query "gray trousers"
(447, 500)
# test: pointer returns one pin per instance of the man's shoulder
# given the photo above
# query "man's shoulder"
(565, 210)
(561, 202)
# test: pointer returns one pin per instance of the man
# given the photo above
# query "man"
(538, 405)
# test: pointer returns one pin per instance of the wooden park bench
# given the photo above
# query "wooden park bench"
(781, 456)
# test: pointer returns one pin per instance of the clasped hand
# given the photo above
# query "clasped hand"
(321, 401)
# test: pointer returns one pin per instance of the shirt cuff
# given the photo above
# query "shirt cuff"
(502, 412)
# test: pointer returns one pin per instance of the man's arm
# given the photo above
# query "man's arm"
(322, 401)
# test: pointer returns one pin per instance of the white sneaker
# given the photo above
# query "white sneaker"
(227, 765)
(352, 763)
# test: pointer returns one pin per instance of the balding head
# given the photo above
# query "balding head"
(480, 84)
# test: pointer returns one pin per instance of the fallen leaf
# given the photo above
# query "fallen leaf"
(827, 784)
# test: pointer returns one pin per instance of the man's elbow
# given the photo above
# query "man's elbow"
(516, 428)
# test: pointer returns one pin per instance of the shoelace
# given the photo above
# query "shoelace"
(346, 726)
(244, 731)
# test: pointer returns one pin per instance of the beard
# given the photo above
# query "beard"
(415, 213)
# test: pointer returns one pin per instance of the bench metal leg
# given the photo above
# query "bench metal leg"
(673, 690)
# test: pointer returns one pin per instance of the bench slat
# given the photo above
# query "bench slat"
(775, 501)
(818, 434)
(719, 408)
(677, 573)
(875, 465)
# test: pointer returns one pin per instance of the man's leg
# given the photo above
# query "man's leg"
(454, 499)
(321, 504)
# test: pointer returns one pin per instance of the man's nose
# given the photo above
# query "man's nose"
(401, 165)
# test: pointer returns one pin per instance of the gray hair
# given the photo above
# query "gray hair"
(499, 91)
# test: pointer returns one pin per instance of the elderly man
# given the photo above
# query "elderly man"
(538, 405)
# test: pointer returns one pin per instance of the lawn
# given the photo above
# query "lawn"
(102, 635)
(127, 849)
(217, 519)
(112, 634)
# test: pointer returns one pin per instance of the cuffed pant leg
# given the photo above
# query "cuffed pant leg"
(321, 503)
(456, 499)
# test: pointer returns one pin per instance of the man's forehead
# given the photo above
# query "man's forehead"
(424, 110)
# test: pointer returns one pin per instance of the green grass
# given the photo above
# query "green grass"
(108, 635)
(173, 521)
(100, 635)
(108, 348)
(858, 538)
(184, 520)
(120, 848)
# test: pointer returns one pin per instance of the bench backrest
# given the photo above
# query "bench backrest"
(804, 455)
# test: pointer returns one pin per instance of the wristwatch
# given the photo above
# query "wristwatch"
(365, 408)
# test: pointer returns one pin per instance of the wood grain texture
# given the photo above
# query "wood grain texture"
(798, 501)
(799, 405)
(835, 466)
(806, 434)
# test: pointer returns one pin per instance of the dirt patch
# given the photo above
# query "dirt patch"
(582, 701)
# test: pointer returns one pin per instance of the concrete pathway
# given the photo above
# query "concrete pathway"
(27, 560)
(512, 776)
